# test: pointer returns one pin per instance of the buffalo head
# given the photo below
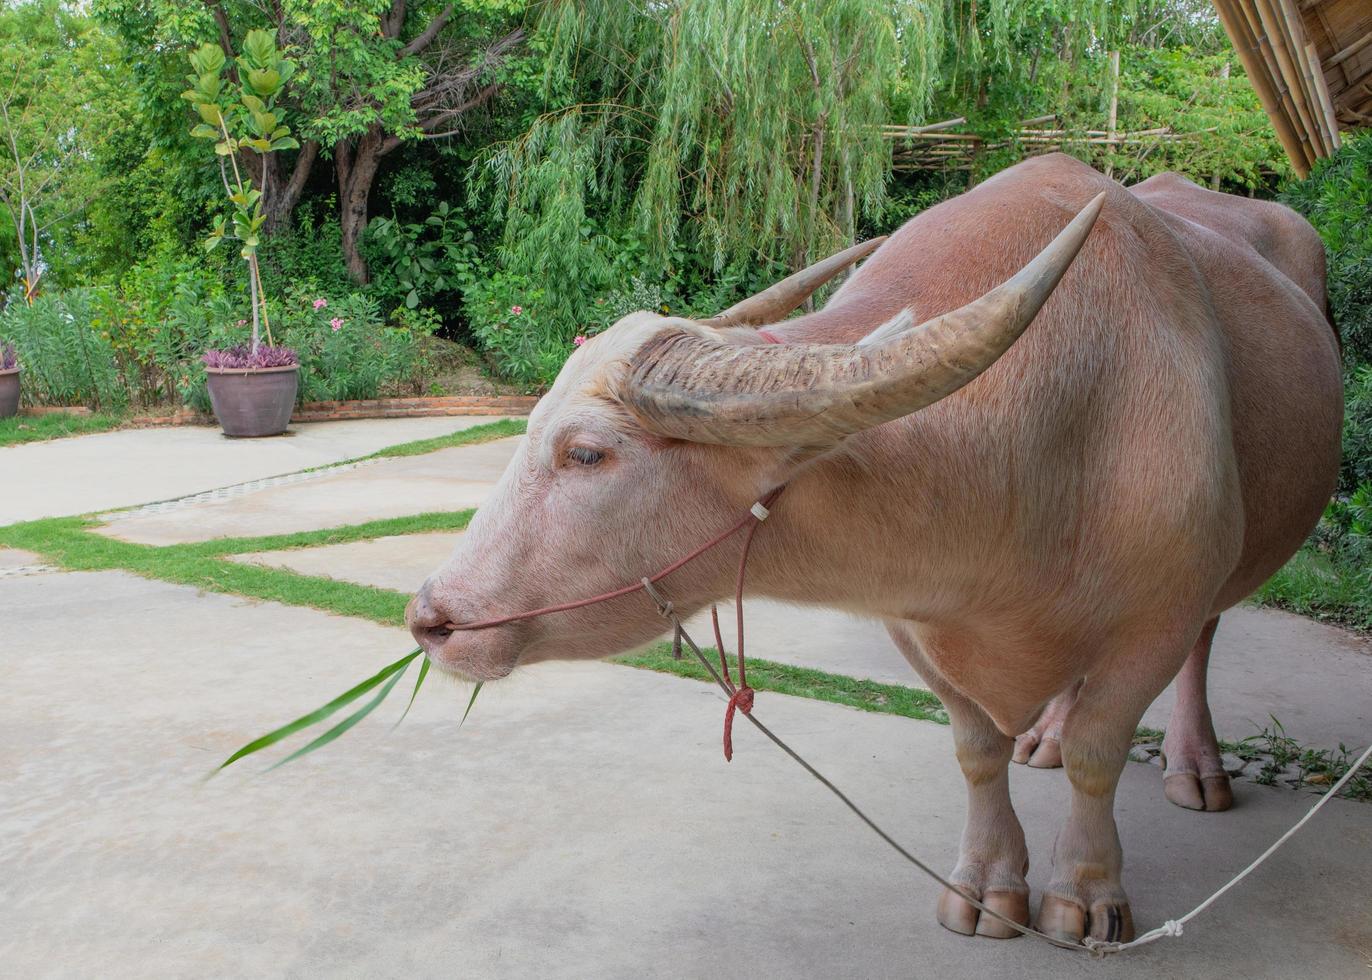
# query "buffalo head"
(661, 431)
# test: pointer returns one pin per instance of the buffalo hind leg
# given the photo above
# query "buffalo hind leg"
(1041, 746)
(1193, 776)
(993, 858)
(1085, 896)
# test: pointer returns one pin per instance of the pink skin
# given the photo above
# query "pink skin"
(1158, 442)
(544, 515)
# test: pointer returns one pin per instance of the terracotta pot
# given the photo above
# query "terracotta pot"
(251, 402)
(9, 393)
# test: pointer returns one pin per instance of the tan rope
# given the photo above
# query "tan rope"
(1097, 947)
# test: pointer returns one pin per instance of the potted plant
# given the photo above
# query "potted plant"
(9, 381)
(252, 386)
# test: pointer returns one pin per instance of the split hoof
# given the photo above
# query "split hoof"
(1069, 922)
(956, 914)
(1207, 793)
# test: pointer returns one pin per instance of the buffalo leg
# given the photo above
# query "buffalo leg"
(1193, 775)
(1086, 893)
(993, 858)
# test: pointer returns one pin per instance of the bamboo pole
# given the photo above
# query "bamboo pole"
(1309, 67)
(1113, 116)
(1237, 29)
(1263, 45)
(1322, 90)
(1339, 57)
(1274, 25)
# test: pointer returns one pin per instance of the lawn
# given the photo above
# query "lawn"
(39, 428)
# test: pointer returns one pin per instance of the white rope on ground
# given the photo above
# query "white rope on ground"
(1099, 948)
(1173, 927)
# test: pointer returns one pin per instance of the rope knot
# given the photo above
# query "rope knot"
(1171, 927)
(742, 700)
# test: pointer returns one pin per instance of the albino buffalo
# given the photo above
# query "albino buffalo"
(1060, 519)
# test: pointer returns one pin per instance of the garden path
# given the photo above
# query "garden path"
(137, 466)
(583, 822)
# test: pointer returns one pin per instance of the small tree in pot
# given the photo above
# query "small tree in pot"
(9, 380)
(252, 386)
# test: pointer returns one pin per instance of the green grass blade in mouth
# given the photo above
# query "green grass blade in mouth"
(319, 714)
(475, 691)
(419, 682)
(347, 722)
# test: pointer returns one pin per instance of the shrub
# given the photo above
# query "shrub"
(346, 350)
(1337, 199)
(507, 318)
(66, 361)
(414, 263)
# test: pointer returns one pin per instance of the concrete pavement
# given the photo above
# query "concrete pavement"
(449, 479)
(582, 824)
(137, 466)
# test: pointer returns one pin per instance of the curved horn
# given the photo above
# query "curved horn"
(689, 385)
(776, 302)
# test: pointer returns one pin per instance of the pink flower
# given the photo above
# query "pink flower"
(320, 303)
(516, 310)
(337, 324)
(242, 323)
(580, 339)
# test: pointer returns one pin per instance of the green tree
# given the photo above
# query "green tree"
(371, 77)
(51, 120)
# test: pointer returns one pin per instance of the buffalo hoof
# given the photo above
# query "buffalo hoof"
(958, 915)
(1208, 793)
(1070, 922)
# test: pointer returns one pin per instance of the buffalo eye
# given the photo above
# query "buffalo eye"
(584, 456)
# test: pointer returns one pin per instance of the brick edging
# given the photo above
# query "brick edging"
(377, 408)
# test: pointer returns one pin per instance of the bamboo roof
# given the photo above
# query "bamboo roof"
(1311, 64)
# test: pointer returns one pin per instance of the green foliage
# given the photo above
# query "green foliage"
(309, 249)
(257, 129)
(65, 357)
(346, 349)
(20, 429)
(420, 262)
(57, 106)
(1337, 198)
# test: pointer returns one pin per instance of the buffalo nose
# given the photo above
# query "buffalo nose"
(427, 623)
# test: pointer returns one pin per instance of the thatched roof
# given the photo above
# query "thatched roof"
(1311, 64)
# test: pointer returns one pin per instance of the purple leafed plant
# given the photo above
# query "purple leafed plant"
(242, 356)
(9, 359)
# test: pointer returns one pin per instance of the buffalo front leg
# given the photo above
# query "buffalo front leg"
(1193, 775)
(993, 858)
(1085, 896)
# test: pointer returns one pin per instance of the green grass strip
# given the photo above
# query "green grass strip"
(800, 682)
(68, 543)
(470, 436)
(40, 428)
(434, 522)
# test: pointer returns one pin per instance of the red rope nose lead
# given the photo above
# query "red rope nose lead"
(741, 698)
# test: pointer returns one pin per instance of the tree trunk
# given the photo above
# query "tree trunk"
(357, 166)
